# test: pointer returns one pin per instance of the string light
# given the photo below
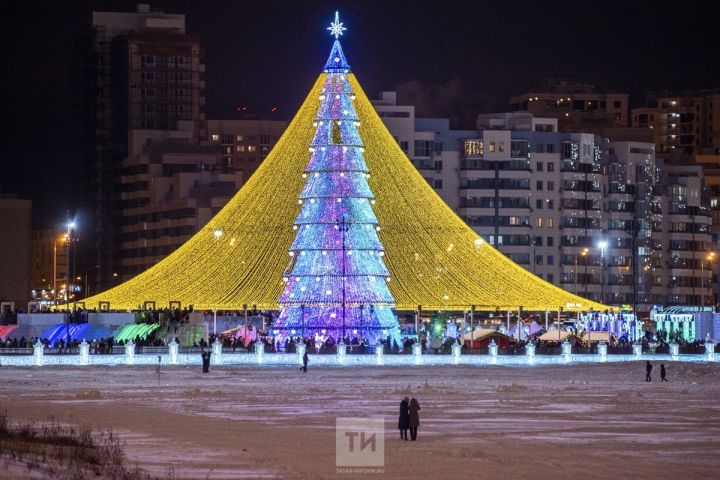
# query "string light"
(417, 228)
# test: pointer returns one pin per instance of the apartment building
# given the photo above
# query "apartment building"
(576, 209)
(148, 73)
(683, 125)
(171, 187)
(244, 143)
(577, 107)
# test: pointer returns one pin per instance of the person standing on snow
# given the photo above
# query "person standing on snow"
(306, 359)
(414, 417)
(404, 419)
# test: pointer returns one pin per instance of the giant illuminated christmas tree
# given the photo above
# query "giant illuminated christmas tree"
(240, 257)
(336, 280)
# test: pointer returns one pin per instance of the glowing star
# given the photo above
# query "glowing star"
(336, 28)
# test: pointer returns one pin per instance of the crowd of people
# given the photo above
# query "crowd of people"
(318, 343)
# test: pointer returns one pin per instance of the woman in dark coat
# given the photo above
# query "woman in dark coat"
(404, 420)
(414, 409)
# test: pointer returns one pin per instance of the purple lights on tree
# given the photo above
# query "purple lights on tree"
(336, 279)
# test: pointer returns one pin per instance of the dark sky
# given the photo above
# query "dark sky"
(267, 53)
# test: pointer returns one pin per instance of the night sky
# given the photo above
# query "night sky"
(444, 55)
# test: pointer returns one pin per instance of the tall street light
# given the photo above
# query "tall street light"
(583, 253)
(87, 290)
(603, 245)
(70, 228)
(709, 258)
(64, 238)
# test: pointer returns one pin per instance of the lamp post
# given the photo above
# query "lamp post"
(70, 227)
(87, 291)
(583, 253)
(64, 238)
(603, 245)
(709, 257)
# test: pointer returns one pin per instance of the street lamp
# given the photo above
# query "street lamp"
(709, 258)
(64, 238)
(583, 253)
(603, 245)
(70, 226)
(87, 292)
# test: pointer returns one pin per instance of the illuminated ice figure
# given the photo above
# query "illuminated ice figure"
(300, 349)
(173, 349)
(336, 280)
(217, 352)
(84, 353)
(566, 350)
(530, 351)
(417, 352)
(259, 352)
(456, 351)
(637, 349)
(602, 350)
(341, 352)
(129, 353)
(493, 348)
(709, 349)
(674, 348)
(38, 352)
(379, 352)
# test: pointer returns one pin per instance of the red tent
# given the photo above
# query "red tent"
(481, 339)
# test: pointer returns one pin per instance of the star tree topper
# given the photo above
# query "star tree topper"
(336, 28)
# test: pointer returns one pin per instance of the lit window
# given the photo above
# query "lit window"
(492, 147)
(549, 223)
(473, 148)
(539, 222)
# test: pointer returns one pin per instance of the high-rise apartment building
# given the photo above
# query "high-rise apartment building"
(580, 211)
(14, 252)
(171, 187)
(683, 125)
(244, 143)
(161, 173)
(686, 235)
(148, 74)
(577, 107)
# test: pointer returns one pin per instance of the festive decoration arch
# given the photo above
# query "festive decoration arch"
(434, 259)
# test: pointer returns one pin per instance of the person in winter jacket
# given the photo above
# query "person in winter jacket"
(414, 416)
(404, 419)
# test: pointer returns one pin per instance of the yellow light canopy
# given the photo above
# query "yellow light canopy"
(435, 260)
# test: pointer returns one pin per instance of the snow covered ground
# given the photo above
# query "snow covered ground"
(567, 421)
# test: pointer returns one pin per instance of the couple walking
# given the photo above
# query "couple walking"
(409, 418)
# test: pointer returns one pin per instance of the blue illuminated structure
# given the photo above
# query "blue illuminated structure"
(76, 331)
(336, 280)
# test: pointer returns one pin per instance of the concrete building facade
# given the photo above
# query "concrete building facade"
(14, 252)
(577, 107)
(171, 187)
(578, 210)
(683, 125)
(244, 143)
(147, 74)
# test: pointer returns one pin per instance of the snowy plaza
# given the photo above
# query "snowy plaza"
(338, 250)
(575, 421)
